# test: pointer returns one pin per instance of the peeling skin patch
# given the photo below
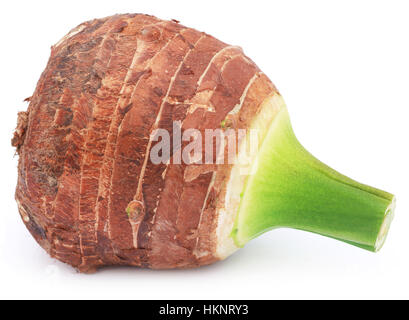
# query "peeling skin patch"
(195, 106)
(23, 212)
(192, 172)
(71, 34)
(18, 137)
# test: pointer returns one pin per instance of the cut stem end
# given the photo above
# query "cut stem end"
(383, 232)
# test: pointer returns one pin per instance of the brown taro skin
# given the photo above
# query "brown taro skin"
(86, 190)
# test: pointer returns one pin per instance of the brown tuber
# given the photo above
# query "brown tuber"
(86, 189)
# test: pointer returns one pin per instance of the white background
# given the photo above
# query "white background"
(343, 68)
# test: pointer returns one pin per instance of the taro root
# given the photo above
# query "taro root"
(91, 194)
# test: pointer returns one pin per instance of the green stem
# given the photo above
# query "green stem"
(291, 188)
